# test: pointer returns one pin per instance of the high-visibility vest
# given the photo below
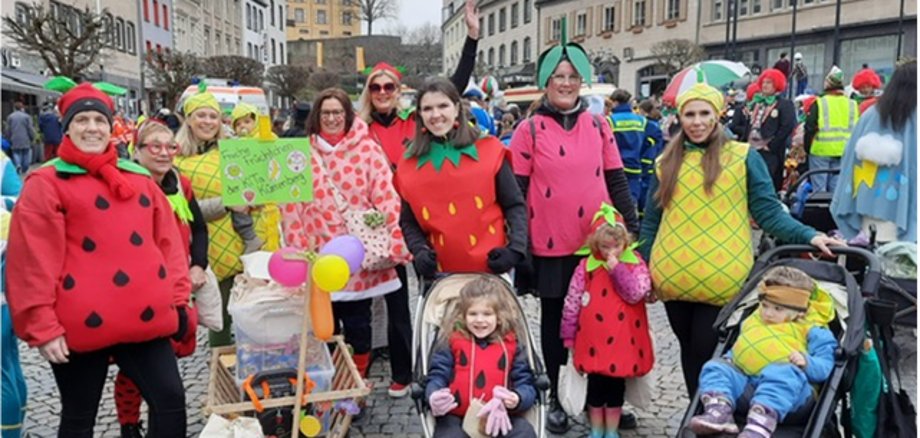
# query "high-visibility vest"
(837, 115)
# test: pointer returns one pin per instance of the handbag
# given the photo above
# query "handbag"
(367, 225)
(209, 303)
(472, 424)
(573, 389)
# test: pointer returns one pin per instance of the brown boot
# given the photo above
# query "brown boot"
(362, 362)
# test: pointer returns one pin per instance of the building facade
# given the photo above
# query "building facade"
(263, 34)
(320, 19)
(209, 27)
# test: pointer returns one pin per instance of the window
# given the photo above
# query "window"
(481, 23)
(120, 34)
(673, 12)
(207, 39)
(581, 24)
(779, 4)
(639, 13)
(526, 49)
(249, 50)
(261, 22)
(320, 2)
(298, 15)
(274, 53)
(717, 9)
(514, 53)
(271, 10)
(109, 29)
(556, 33)
(156, 13)
(608, 19)
(346, 18)
(248, 16)
(491, 56)
(281, 51)
(528, 12)
(502, 19)
(320, 17)
(131, 45)
(146, 11)
(501, 55)
(492, 24)
(755, 6)
(742, 7)
(165, 18)
(514, 15)
(280, 14)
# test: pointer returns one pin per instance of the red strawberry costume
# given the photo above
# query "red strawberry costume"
(479, 368)
(394, 137)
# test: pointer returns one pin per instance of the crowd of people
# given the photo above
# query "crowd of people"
(595, 214)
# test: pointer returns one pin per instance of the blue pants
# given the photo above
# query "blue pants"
(823, 182)
(22, 159)
(635, 189)
(800, 87)
(14, 384)
(782, 387)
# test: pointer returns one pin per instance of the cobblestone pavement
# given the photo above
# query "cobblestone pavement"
(386, 417)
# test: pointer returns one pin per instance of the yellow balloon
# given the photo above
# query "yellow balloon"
(310, 426)
(330, 272)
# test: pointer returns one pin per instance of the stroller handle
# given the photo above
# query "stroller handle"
(791, 191)
(870, 282)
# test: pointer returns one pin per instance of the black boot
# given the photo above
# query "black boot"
(628, 421)
(131, 431)
(557, 421)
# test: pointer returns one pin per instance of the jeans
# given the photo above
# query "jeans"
(800, 87)
(823, 182)
(782, 387)
(22, 159)
(14, 384)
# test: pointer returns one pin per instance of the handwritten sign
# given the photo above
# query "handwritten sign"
(256, 172)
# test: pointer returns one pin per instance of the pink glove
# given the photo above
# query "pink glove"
(568, 343)
(442, 402)
(497, 422)
(508, 397)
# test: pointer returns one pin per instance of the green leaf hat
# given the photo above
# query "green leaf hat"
(564, 51)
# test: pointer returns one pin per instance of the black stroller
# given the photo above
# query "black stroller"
(808, 206)
(818, 419)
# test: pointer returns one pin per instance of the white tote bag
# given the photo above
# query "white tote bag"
(572, 390)
(209, 303)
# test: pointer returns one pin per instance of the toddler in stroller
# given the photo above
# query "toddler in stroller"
(780, 350)
(479, 375)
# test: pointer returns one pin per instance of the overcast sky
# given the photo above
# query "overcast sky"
(413, 13)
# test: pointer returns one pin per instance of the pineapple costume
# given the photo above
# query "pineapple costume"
(702, 252)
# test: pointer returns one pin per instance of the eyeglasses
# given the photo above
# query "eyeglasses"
(158, 148)
(335, 114)
(566, 79)
(388, 88)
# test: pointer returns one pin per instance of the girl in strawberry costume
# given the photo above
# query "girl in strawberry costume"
(604, 320)
(472, 361)
(100, 272)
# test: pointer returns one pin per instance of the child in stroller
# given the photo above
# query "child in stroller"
(780, 351)
(473, 366)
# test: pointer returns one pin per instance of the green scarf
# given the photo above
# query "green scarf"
(766, 100)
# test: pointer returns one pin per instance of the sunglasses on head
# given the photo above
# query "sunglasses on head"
(387, 88)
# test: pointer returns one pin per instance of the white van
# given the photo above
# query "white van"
(228, 97)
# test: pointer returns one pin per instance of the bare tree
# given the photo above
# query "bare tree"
(288, 80)
(423, 49)
(68, 44)
(240, 68)
(373, 10)
(323, 79)
(171, 73)
(676, 54)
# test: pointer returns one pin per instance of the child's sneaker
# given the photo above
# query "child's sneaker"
(716, 418)
(761, 422)
(398, 390)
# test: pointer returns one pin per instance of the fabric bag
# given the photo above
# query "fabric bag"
(472, 424)
(240, 427)
(639, 391)
(573, 389)
(209, 303)
(368, 225)
(266, 312)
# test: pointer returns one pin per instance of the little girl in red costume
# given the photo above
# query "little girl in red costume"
(604, 320)
(474, 360)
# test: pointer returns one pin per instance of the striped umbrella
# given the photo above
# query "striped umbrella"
(716, 73)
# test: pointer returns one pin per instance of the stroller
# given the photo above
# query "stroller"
(817, 419)
(810, 207)
(436, 301)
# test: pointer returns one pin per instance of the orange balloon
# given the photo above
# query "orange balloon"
(321, 313)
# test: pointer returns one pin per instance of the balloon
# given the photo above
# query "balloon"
(348, 247)
(321, 313)
(288, 273)
(330, 272)
(310, 426)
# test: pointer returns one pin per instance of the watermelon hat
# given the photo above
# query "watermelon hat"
(607, 215)
(574, 53)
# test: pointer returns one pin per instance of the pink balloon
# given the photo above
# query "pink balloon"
(288, 273)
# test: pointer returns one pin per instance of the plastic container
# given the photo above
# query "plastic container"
(253, 357)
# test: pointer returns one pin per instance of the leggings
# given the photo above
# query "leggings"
(692, 323)
(399, 330)
(151, 365)
(354, 319)
(554, 353)
(604, 391)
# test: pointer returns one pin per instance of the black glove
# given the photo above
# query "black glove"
(426, 263)
(502, 259)
(183, 323)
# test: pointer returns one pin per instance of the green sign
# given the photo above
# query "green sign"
(256, 172)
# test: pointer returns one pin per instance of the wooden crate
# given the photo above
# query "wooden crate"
(224, 394)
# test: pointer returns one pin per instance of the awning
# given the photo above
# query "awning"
(25, 82)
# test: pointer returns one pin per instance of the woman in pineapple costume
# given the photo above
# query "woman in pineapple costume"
(696, 233)
(458, 192)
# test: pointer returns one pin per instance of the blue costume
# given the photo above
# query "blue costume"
(13, 382)
(640, 141)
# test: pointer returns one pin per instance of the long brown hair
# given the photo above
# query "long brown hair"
(673, 157)
(497, 295)
(313, 125)
(461, 136)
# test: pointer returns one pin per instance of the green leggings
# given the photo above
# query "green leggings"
(225, 336)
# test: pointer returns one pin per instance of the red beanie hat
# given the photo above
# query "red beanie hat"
(382, 66)
(865, 77)
(84, 97)
(778, 78)
(752, 89)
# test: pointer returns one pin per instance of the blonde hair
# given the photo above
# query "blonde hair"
(147, 128)
(188, 144)
(498, 296)
(789, 277)
(364, 101)
(608, 234)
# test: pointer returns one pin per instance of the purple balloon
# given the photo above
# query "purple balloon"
(349, 248)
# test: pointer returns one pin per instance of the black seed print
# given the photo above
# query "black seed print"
(69, 282)
(621, 316)
(542, 125)
(147, 315)
(93, 320)
(144, 200)
(120, 278)
(592, 352)
(101, 203)
(62, 175)
(581, 369)
(632, 341)
(613, 140)
(581, 211)
(613, 368)
(594, 122)
(635, 369)
(599, 317)
(610, 340)
(162, 272)
(526, 155)
(136, 239)
(502, 362)
(481, 380)
(549, 192)
(597, 172)
(88, 244)
(457, 396)
(463, 360)
(604, 292)
(550, 244)
(638, 323)
(561, 151)
(531, 212)
(641, 354)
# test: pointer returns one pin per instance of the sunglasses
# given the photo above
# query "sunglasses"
(158, 148)
(387, 88)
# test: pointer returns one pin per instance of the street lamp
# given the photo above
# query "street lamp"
(795, 10)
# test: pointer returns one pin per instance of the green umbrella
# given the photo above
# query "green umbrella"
(60, 83)
(110, 89)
